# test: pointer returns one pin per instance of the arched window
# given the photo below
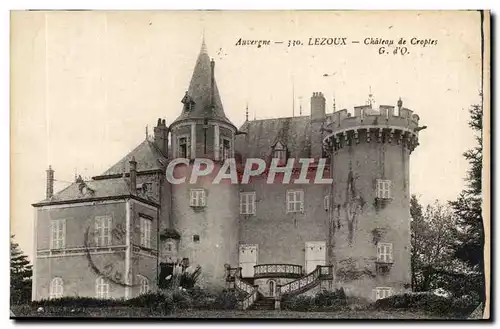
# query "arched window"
(101, 288)
(272, 288)
(143, 284)
(56, 288)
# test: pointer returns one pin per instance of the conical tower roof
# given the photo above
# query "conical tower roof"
(202, 100)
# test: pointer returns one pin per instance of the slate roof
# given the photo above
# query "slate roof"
(96, 189)
(262, 135)
(107, 185)
(200, 91)
(147, 156)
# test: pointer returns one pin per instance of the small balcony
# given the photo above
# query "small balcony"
(277, 271)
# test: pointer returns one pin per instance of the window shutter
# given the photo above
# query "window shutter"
(142, 231)
(188, 147)
(253, 204)
(202, 195)
(192, 196)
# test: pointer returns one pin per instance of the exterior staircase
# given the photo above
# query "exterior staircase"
(253, 299)
(262, 303)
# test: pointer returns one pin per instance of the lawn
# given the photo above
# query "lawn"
(137, 312)
(263, 314)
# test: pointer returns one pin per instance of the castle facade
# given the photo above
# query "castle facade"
(119, 234)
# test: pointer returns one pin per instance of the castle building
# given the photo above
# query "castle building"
(118, 234)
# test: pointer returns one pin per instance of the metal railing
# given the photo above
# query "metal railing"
(243, 285)
(277, 270)
(250, 299)
(250, 291)
(307, 282)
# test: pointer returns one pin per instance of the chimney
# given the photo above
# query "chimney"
(133, 176)
(161, 136)
(50, 183)
(317, 120)
(318, 107)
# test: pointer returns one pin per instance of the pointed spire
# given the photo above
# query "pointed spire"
(203, 94)
(247, 113)
(203, 44)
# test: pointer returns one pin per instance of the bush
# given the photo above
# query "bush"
(324, 300)
(226, 300)
(426, 301)
(181, 299)
(330, 300)
(152, 300)
(298, 303)
(66, 306)
(78, 302)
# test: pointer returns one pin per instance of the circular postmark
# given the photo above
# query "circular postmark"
(106, 253)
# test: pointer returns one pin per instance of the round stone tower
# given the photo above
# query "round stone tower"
(205, 214)
(370, 198)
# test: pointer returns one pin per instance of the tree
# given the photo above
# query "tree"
(469, 230)
(20, 275)
(417, 227)
(432, 241)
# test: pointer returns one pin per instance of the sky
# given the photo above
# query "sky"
(85, 85)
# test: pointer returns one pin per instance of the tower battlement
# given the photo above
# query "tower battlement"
(369, 124)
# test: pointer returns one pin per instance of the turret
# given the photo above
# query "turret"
(202, 129)
(205, 215)
(370, 154)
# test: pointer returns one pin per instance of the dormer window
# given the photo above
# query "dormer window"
(279, 151)
(188, 102)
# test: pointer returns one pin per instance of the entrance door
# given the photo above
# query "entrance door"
(272, 288)
(315, 255)
(248, 259)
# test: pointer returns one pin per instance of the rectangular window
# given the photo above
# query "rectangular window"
(384, 252)
(101, 288)
(294, 201)
(183, 147)
(103, 231)
(58, 234)
(226, 149)
(145, 232)
(197, 198)
(382, 292)
(247, 203)
(383, 189)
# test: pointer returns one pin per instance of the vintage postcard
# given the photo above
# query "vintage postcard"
(250, 164)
